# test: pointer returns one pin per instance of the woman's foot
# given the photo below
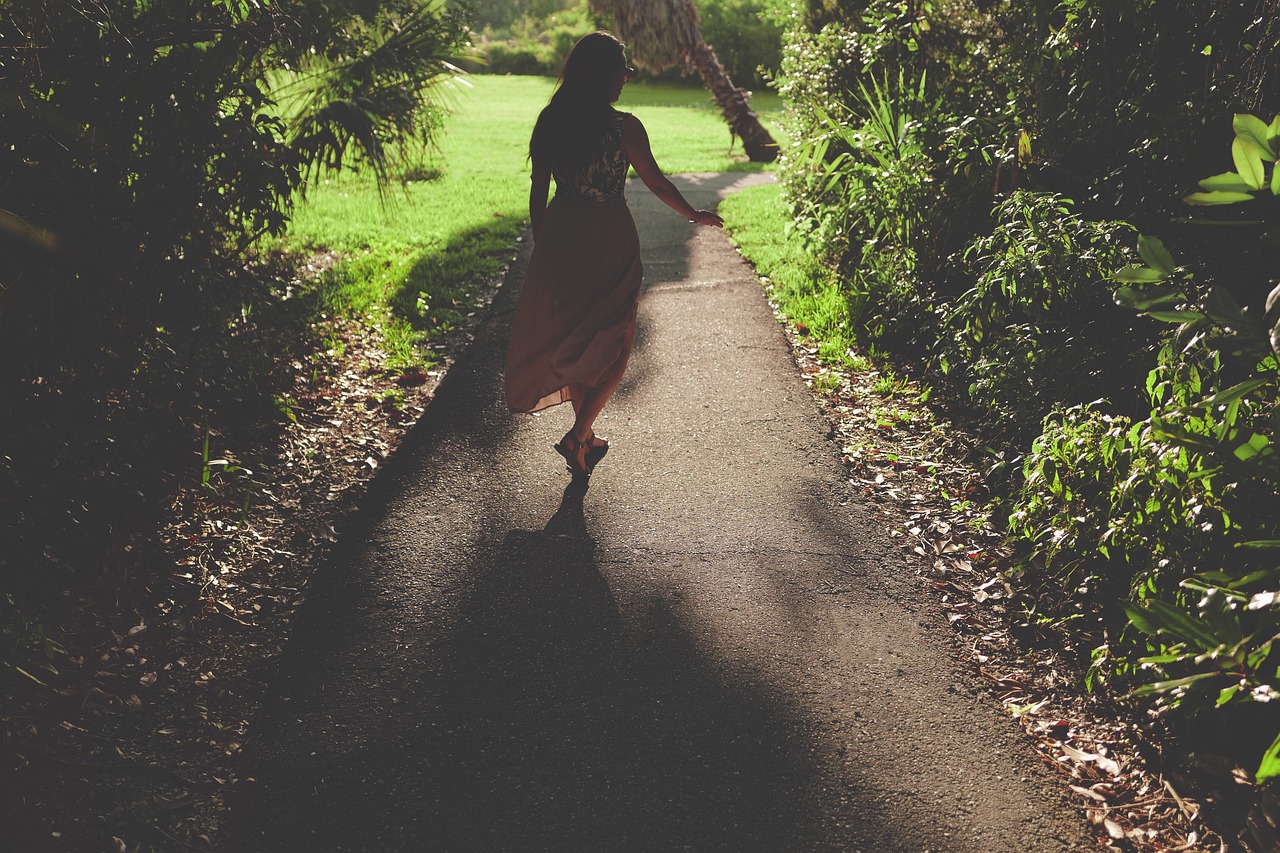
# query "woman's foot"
(598, 446)
(582, 455)
(574, 451)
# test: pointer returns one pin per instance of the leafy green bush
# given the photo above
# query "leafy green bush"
(1037, 329)
(1190, 492)
(1109, 88)
(144, 148)
(880, 173)
(1064, 514)
(861, 183)
(533, 42)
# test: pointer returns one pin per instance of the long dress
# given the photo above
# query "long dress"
(576, 317)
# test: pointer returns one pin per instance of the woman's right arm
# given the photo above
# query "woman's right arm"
(635, 143)
(539, 187)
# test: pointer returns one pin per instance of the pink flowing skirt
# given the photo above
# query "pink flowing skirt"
(576, 318)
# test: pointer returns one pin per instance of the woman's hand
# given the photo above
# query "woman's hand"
(707, 217)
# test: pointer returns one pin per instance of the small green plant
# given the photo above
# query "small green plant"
(285, 405)
(1036, 329)
(391, 398)
(27, 651)
(1216, 391)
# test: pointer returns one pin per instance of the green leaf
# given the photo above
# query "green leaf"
(1260, 544)
(1129, 297)
(1175, 316)
(1155, 254)
(1167, 657)
(1275, 181)
(1221, 305)
(1247, 156)
(1269, 768)
(1256, 131)
(1217, 197)
(1226, 182)
(1140, 618)
(1256, 445)
(1224, 695)
(29, 675)
(1135, 274)
(1235, 392)
(1024, 148)
(1172, 684)
(1176, 621)
(1126, 297)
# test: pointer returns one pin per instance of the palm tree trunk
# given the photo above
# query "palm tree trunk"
(734, 104)
(666, 33)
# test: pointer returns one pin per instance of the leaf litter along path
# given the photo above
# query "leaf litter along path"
(713, 646)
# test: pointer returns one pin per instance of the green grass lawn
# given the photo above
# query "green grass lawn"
(417, 259)
(802, 288)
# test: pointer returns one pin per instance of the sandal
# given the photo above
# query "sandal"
(572, 450)
(598, 447)
(574, 453)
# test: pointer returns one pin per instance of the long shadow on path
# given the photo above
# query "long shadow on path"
(573, 731)
(541, 721)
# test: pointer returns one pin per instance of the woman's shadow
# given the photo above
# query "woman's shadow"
(570, 519)
(569, 727)
(533, 678)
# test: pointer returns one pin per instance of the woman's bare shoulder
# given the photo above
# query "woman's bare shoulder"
(632, 127)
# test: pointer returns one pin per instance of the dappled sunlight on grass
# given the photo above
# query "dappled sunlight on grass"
(799, 286)
(420, 254)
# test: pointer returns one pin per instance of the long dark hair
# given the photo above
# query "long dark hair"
(580, 109)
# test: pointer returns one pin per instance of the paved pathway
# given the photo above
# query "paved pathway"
(711, 648)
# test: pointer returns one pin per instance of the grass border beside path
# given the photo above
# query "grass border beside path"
(802, 289)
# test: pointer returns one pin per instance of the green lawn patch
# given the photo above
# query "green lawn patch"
(417, 259)
(804, 290)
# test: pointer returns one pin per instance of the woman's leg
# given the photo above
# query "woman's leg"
(590, 404)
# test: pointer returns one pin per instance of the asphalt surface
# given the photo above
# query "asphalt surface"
(710, 647)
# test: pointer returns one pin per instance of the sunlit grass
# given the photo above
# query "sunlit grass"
(802, 288)
(417, 258)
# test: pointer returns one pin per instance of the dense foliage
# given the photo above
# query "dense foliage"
(978, 173)
(533, 38)
(148, 147)
(147, 143)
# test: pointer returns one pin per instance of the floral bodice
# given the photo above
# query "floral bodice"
(605, 174)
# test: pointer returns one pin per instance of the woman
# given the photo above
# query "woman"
(576, 318)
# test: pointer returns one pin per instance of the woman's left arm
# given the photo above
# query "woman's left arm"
(635, 143)
(539, 187)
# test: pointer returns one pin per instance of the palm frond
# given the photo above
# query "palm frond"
(379, 100)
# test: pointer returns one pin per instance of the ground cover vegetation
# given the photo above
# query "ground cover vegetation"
(217, 325)
(1061, 214)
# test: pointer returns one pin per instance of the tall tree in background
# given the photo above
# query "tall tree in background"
(667, 33)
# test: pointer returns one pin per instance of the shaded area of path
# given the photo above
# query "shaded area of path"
(709, 648)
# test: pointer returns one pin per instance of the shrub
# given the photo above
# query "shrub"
(145, 151)
(1038, 328)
